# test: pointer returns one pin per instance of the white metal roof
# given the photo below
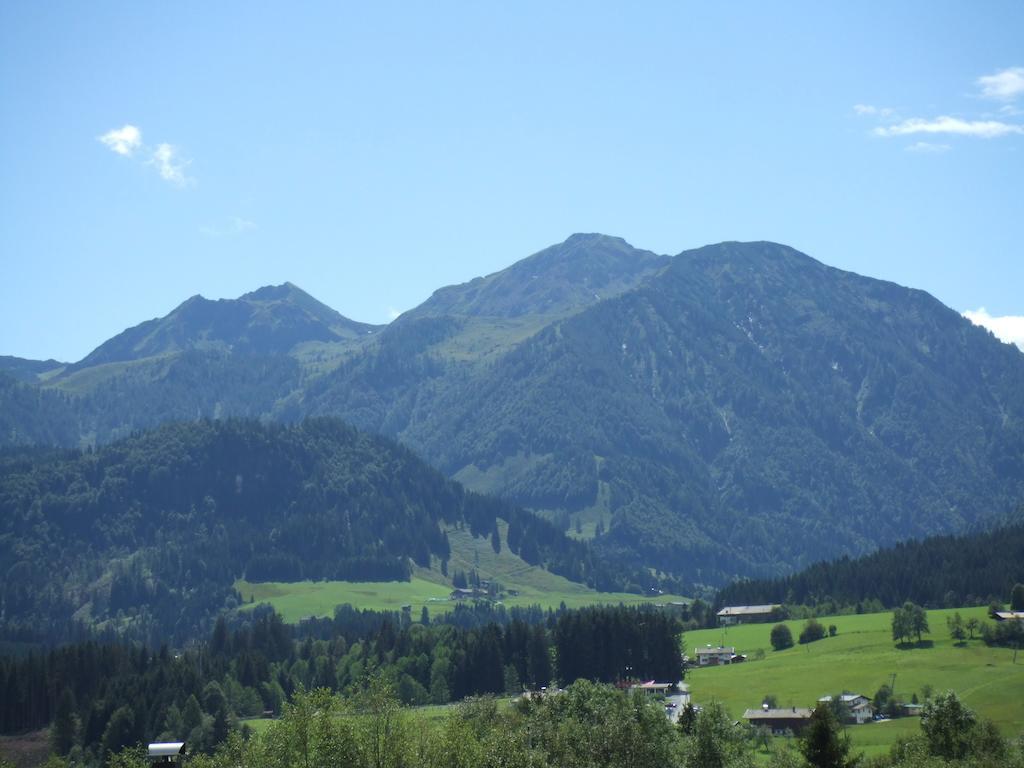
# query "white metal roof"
(747, 610)
(166, 748)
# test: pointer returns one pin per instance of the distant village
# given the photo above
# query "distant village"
(852, 708)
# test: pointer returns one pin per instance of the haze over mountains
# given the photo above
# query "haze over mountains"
(736, 409)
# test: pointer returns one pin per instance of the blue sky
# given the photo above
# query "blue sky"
(371, 153)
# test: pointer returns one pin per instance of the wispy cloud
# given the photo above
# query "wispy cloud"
(868, 109)
(166, 158)
(169, 164)
(393, 313)
(927, 147)
(986, 129)
(124, 141)
(1008, 328)
(1005, 85)
(235, 226)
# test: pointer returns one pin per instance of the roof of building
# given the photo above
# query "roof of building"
(791, 713)
(717, 651)
(846, 698)
(1007, 615)
(747, 610)
(166, 748)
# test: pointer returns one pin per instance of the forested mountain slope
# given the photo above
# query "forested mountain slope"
(752, 407)
(745, 410)
(147, 535)
(940, 571)
(739, 409)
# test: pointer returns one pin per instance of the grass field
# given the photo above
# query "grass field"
(295, 600)
(430, 588)
(859, 659)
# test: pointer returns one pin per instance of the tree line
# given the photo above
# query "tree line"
(102, 697)
(937, 572)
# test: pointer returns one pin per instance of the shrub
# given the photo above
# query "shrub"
(781, 637)
(813, 630)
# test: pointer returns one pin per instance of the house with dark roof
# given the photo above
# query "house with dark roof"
(748, 614)
(794, 719)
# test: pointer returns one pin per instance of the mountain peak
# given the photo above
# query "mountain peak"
(282, 292)
(592, 237)
(561, 279)
(268, 321)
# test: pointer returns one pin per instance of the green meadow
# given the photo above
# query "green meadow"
(859, 659)
(295, 600)
(428, 587)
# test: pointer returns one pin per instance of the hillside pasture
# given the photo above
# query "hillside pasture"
(860, 659)
(428, 587)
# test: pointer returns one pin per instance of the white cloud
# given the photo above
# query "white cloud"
(868, 109)
(236, 225)
(124, 141)
(986, 129)
(927, 147)
(393, 313)
(1008, 328)
(169, 165)
(1006, 85)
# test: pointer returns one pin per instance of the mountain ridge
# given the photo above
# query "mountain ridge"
(738, 408)
(270, 320)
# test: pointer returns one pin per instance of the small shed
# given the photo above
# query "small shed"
(166, 753)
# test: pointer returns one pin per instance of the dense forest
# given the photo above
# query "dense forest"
(112, 695)
(145, 537)
(941, 571)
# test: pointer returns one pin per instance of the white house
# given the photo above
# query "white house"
(709, 656)
(858, 706)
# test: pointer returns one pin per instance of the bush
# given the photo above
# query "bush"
(813, 630)
(781, 637)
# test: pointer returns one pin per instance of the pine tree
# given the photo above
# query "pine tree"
(65, 723)
(822, 746)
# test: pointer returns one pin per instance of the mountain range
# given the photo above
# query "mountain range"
(738, 409)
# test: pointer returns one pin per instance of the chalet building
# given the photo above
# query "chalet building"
(467, 594)
(709, 656)
(859, 707)
(747, 614)
(794, 719)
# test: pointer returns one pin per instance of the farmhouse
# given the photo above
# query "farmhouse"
(858, 707)
(709, 656)
(794, 719)
(1008, 615)
(467, 594)
(747, 614)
